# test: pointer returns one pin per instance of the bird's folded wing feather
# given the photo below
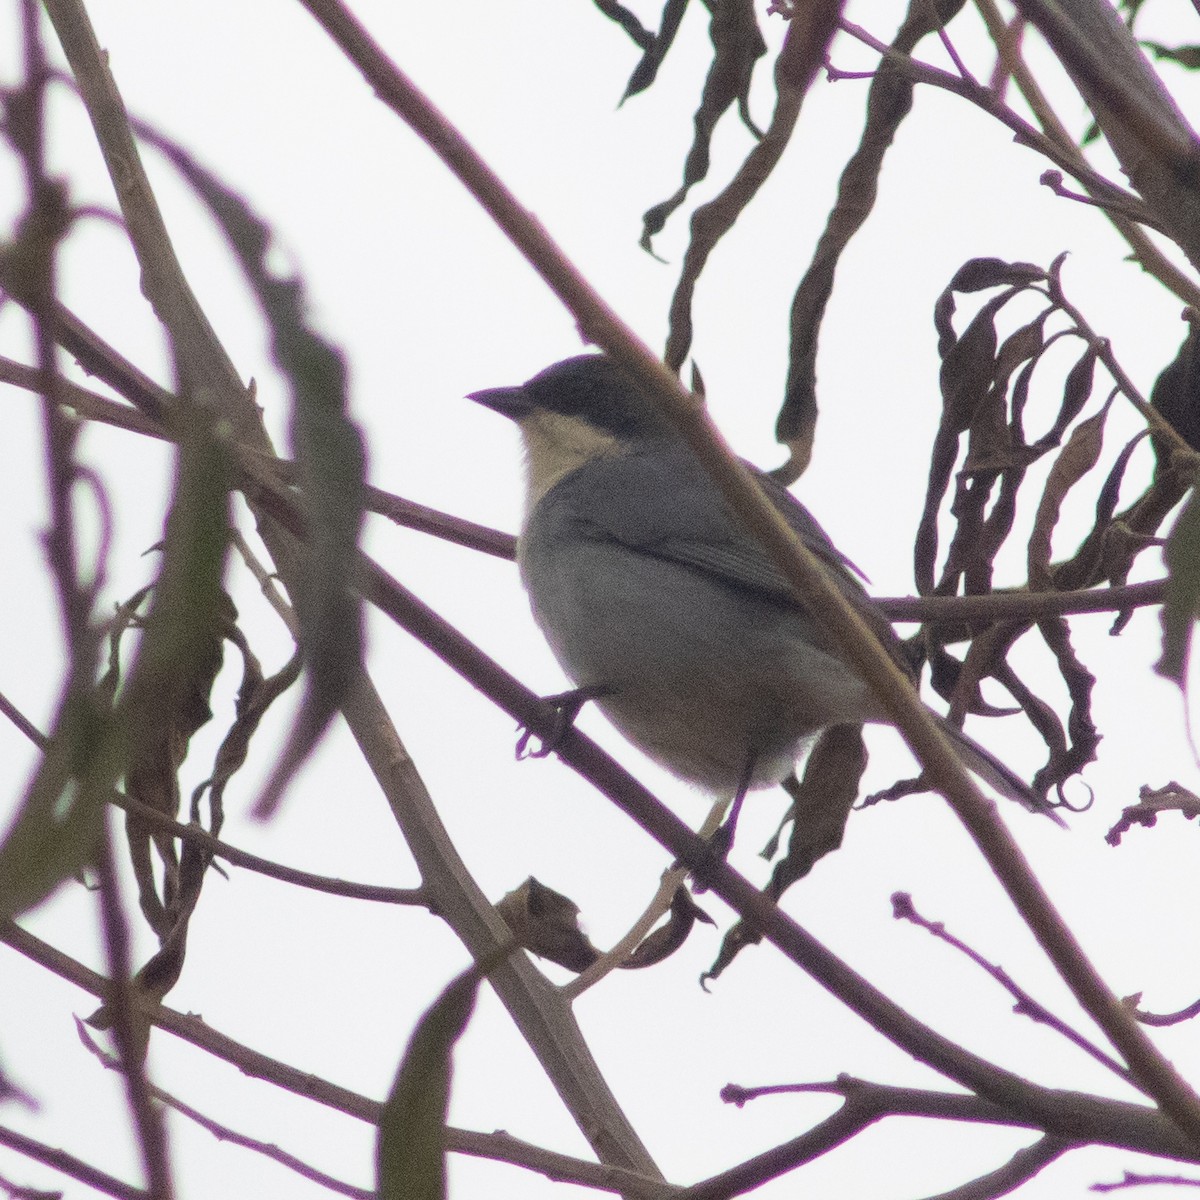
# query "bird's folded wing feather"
(665, 505)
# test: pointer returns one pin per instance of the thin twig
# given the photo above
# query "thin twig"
(377, 893)
(224, 1133)
(268, 582)
(904, 909)
(407, 513)
(1137, 1179)
(1149, 136)
(673, 878)
(499, 1147)
(982, 97)
(128, 1025)
(952, 52)
(1102, 348)
(1021, 605)
(22, 722)
(239, 858)
(1188, 1013)
(851, 1119)
(86, 403)
(68, 1164)
(1145, 251)
(1020, 1168)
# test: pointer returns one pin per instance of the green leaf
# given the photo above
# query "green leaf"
(54, 835)
(1176, 393)
(1181, 605)
(166, 696)
(1187, 57)
(411, 1150)
(332, 466)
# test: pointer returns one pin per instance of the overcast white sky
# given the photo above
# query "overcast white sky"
(429, 303)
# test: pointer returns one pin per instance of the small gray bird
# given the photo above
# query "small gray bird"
(660, 607)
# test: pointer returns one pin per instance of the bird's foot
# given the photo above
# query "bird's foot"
(565, 707)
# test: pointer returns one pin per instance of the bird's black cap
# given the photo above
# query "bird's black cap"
(590, 386)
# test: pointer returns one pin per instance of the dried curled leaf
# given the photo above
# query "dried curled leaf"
(627, 20)
(979, 469)
(53, 836)
(184, 875)
(980, 274)
(1074, 461)
(656, 48)
(821, 804)
(152, 777)
(1093, 560)
(804, 49)
(1187, 57)
(546, 923)
(1174, 797)
(660, 943)
(889, 101)
(737, 45)
(1083, 735)
(1181, 606)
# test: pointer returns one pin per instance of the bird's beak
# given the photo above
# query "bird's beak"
(511, 402)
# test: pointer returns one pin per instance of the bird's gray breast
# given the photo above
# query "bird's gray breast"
(643, 584)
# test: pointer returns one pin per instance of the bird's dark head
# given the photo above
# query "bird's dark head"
(590, 388)
(576, 411)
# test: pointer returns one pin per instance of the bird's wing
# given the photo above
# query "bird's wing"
(662, 503)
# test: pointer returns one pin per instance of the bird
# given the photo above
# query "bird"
(664, 611)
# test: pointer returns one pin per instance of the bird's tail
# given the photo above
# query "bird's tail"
(995, 773)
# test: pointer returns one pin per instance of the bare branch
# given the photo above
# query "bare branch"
(1137, 1179)
(1019, 1169)
(1156, 147)
(224, 1134)
(852, 1118)
(220, 849)
(406, 513)
(1022, 605)
(377, 893)
(68, 1164)
(865, 1104)
(1164, 1019)
(129, 1027)
(904, 909)
(982, 97)
(1147, 253)
(86, 403)
(198, 1032)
